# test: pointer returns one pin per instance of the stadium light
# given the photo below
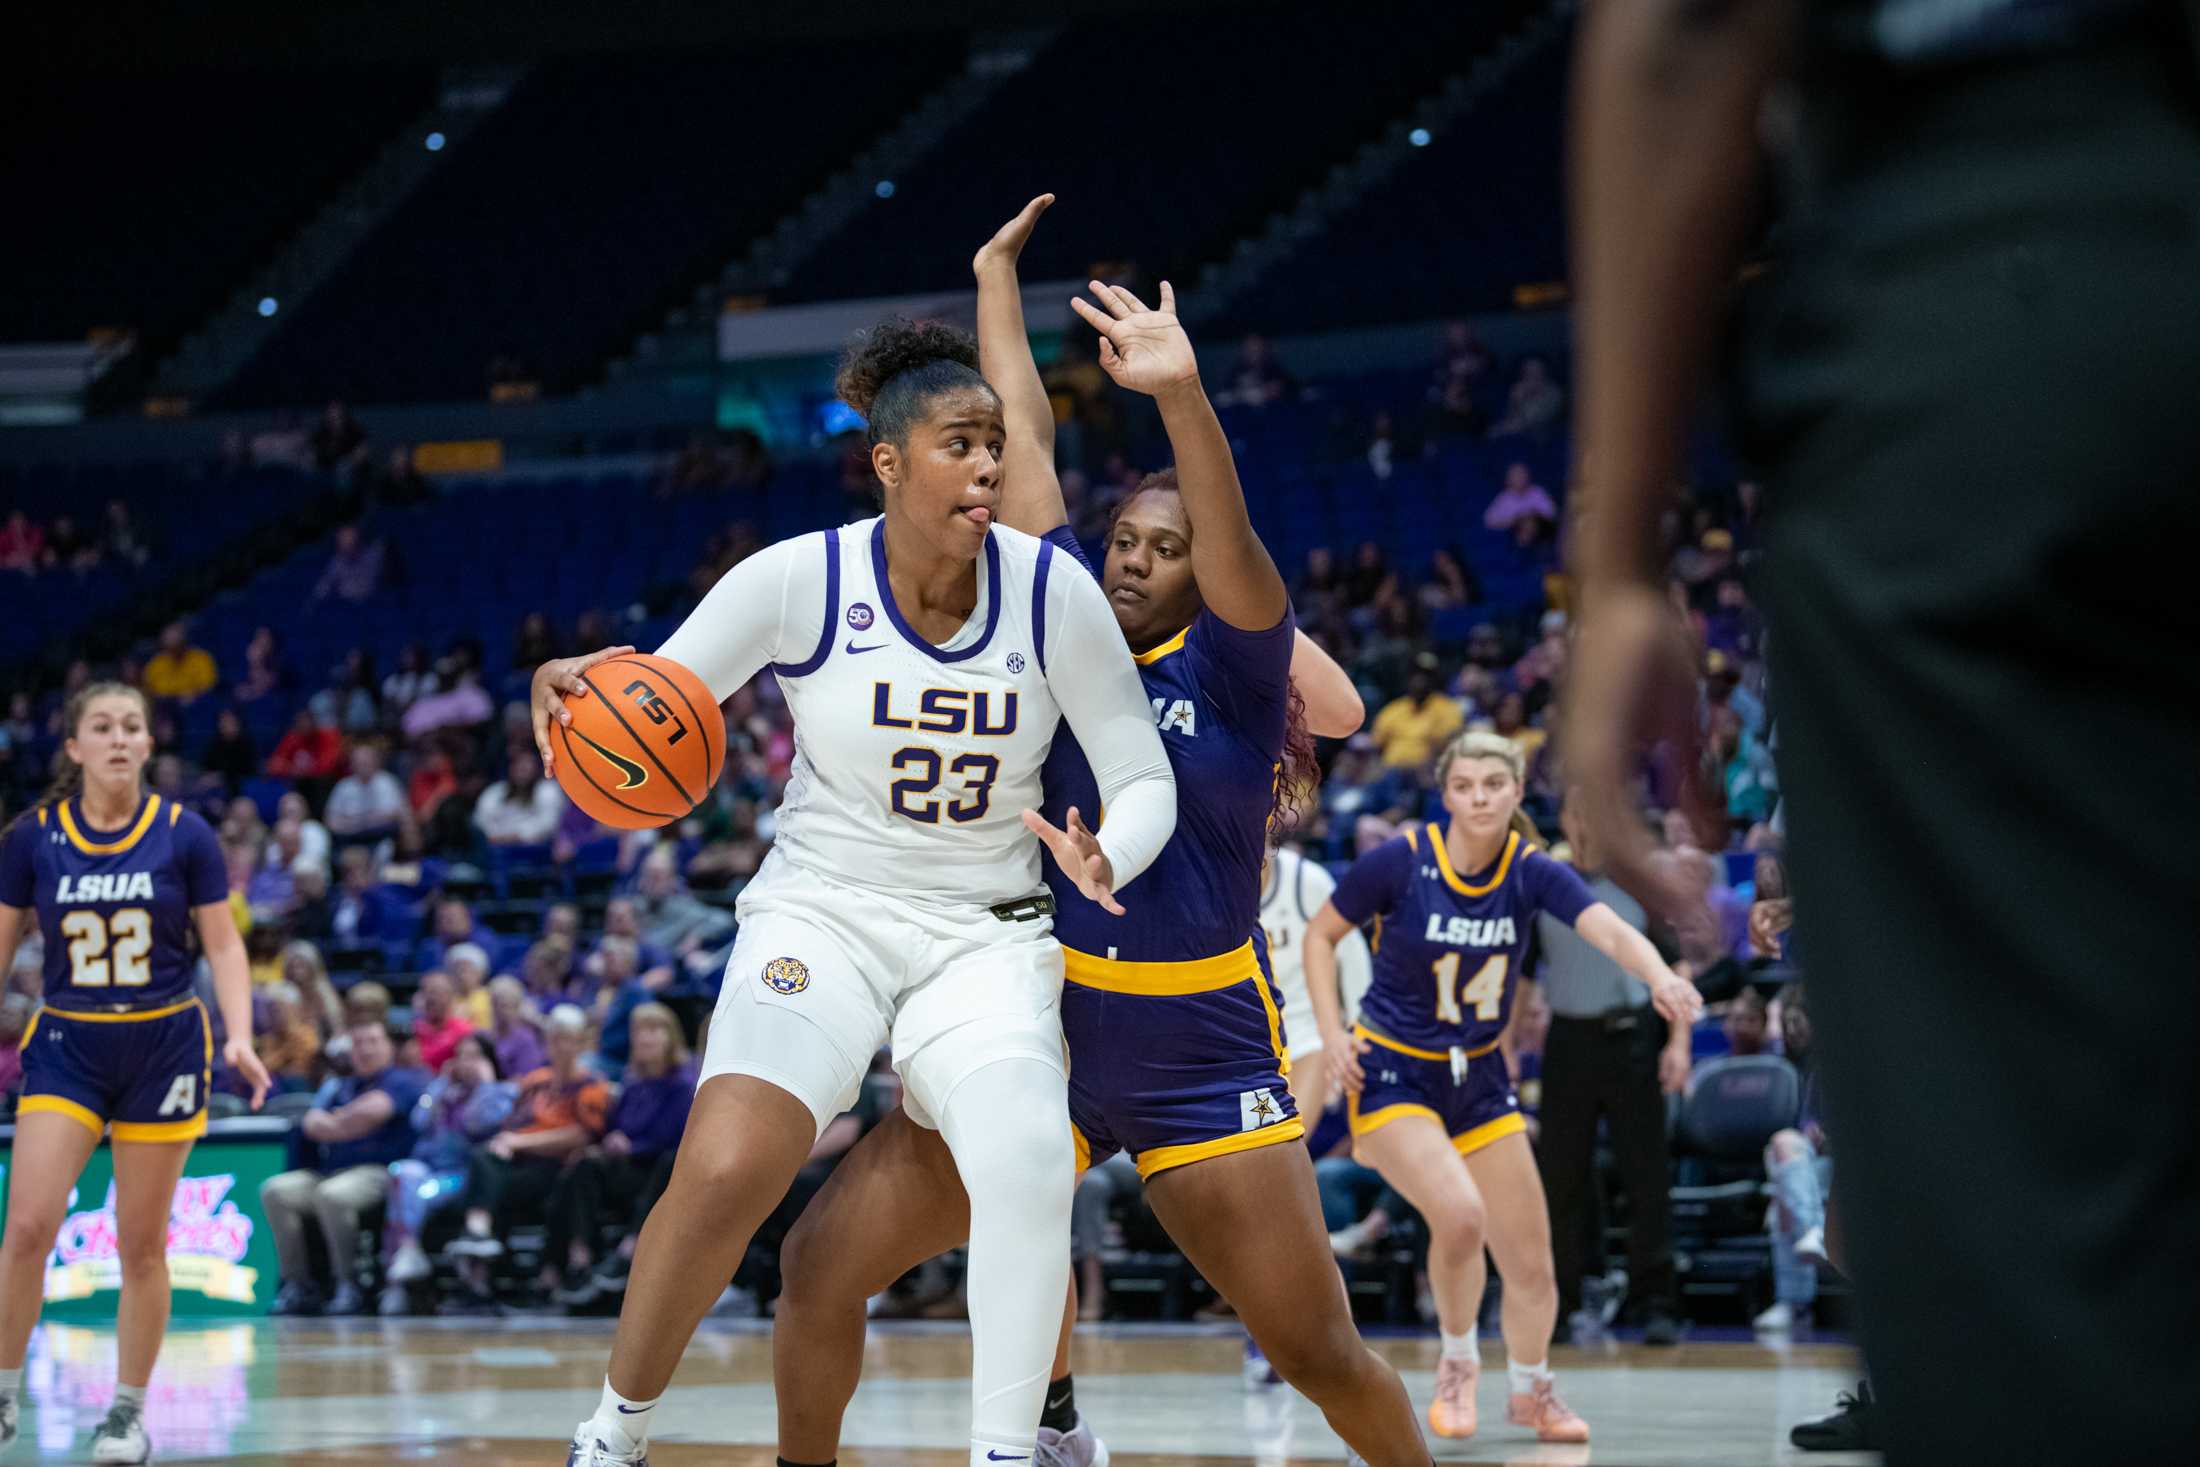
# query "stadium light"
(434, 142)
(1418, 137)
(267, 305)
(885, 189)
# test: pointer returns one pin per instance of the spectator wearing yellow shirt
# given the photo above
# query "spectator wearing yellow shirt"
(179, 670)
(1411, 728)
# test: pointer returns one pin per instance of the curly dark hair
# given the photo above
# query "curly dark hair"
(1298, 770)
(890, 372)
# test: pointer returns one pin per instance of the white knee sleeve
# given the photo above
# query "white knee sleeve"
(1007, 1125)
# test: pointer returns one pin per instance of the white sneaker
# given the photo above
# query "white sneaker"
(591, 1450)
(1811, 1247)
(121, 1439)
(1357, 1239)
(409, 1265)
(1777, 1320)
(1077, 1447)
(9, 1413)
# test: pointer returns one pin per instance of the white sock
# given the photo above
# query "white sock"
(1525, 1378)
(1463, 1347)
(130, 1396)
(11, 1382)
(622, 1423)
(1003, 1124)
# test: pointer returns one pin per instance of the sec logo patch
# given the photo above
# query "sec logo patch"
(786, 975)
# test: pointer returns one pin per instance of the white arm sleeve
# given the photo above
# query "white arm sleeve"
(769, 608)
(1096, 684)
(1355, 964)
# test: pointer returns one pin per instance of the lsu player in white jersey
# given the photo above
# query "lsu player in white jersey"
(1292, 890)
(928, 656)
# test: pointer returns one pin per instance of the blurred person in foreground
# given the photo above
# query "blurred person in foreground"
(1961, 556)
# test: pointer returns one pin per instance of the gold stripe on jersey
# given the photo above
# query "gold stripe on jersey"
(1154, 654)
(1162, 1158)
(136, 1017)
(61, 1105)
(1163, 980)
(1420, 1054)
(113, 847)
(1452, 878)
(1466, 1143)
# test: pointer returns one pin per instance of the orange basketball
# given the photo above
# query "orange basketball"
(644, 746)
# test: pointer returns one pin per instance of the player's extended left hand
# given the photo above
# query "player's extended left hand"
(1674, 1064)
(239, 1055)
(1008, 241)
(1077, 851)
(1144, 350)
(1676, 999)
(554, 680)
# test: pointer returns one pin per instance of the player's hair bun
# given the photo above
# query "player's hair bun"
(892, 347)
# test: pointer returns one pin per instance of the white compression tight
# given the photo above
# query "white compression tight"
(1007, 1126)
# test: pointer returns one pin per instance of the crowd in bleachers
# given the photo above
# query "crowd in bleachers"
(481, 1006)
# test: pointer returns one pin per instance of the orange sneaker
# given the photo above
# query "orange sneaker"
(1451, 1414)
(1553, 1419)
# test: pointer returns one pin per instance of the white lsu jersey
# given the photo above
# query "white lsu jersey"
(913, 761)
(1295, 891)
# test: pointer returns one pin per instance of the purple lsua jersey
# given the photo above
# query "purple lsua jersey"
(114, 906)
(1447, 947)
(1220, 699)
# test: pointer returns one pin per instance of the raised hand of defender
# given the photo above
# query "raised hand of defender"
(546, 699)
(1144, 350)
(1077, 851)
(1008, 241)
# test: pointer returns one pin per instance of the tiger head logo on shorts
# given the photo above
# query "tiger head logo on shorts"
(786, 975)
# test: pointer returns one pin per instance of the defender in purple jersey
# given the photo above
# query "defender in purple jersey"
(1176, 1048)
(1431, 1102)
(119, 882)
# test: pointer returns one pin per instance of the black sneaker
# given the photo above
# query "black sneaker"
(610, 1275)
(577, 1289)
(296, 1298)
(1853, 1426)
(1660, 1328)
(467, 1304)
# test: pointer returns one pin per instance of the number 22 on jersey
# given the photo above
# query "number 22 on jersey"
(104, 950)
(1484, 991)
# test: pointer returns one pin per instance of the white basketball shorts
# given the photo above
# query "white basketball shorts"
(824, 973)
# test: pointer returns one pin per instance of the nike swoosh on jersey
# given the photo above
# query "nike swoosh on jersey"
(852, 647)
(993, 1456)
(632, 775)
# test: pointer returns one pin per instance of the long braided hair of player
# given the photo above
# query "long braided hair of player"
(1299, 770)
(68, 775)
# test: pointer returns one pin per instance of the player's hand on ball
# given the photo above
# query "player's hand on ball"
(1008, 242)
(554, 680)
(238, 1054)
(1144, 350)
(1077, 851)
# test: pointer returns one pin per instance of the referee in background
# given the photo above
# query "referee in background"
(1608, 1055)
(1968, 376)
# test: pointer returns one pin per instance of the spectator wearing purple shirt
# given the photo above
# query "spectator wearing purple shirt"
(1522, 499)
(459, 701)
(518, 1042)
(354, 570)
(454, 924)
(635, 1157)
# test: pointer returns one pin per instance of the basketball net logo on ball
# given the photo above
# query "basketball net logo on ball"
(786, 975)
(644, 747)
